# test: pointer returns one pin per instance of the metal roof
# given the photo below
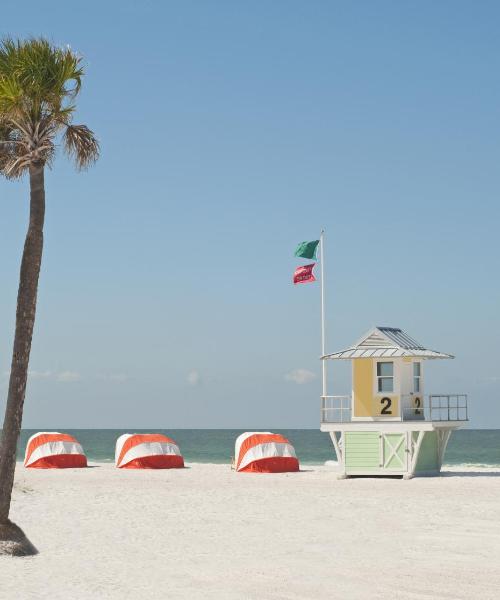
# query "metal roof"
(386, 342)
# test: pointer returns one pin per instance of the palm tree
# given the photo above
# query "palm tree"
(39, 83)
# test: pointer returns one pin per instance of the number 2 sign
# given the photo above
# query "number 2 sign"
(386, 406)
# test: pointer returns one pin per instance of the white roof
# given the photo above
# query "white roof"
(386, 342)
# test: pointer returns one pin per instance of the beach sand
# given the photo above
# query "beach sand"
(207, 532)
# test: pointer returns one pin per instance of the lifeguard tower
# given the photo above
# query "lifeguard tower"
(388, 426)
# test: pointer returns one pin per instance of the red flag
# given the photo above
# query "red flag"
(304, 274)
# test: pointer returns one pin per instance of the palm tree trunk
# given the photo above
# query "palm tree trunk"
(25, 320)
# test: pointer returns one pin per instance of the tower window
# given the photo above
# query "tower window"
(417, 373)
(385, 376)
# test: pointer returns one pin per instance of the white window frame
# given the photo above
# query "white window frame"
(377, 377)
(394, 395)
(419, 377)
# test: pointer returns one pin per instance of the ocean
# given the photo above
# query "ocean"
(468, 447)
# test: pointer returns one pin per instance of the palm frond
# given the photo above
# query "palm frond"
(81, 144)
(38, 85)
(7, 145)
(13, 152)
(47, 77)
(17, 154)
(11, 95)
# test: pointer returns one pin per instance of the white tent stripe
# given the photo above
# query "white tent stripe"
(149, 449)
(244, 436)
(54, 448)
(266, 450)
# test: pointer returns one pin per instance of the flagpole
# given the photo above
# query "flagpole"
(323, 337)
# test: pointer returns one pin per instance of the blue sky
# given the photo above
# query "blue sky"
(230, 132)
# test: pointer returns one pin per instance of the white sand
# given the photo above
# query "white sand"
(207, 532)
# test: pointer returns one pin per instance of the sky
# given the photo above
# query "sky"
(230, 132)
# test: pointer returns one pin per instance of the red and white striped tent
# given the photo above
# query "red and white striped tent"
(264, 452)
(147, 451)
(54, 450)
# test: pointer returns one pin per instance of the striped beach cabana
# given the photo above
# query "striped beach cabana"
(147, 451)
(54, 450)
(264, 452)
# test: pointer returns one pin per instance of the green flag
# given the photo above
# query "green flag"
(307, 250)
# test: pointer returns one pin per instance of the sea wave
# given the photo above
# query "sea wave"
(493, 468)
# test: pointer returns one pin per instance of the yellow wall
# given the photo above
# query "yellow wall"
(362, 386)
(366, 403)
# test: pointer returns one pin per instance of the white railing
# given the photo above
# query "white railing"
(336, 409)
(436, 407)
(414, 407)
(448, 407)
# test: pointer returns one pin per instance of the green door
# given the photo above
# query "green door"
(394, 455)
